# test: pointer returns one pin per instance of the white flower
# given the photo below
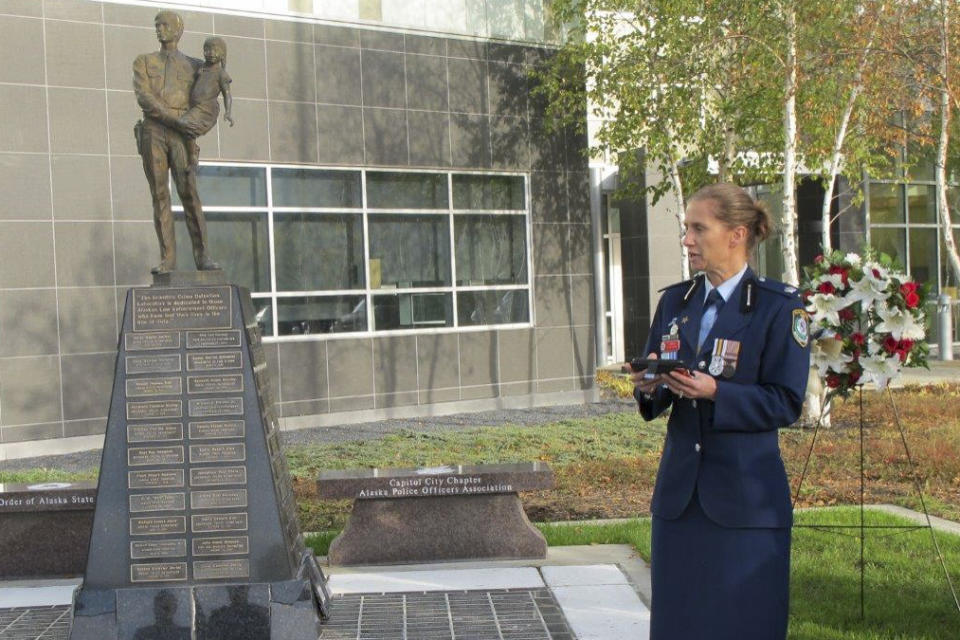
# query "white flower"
(881, 369)
(867, 289)
(899, 323)
(824, 309)
(827, 355)
(853, 259)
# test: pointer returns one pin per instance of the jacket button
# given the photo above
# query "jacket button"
(702, 364)
(694, 403)
(697, 447)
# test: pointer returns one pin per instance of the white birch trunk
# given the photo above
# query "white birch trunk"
(791, 271)
(680, 212)
(943, 203)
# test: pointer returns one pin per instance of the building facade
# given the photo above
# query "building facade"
(414, 237)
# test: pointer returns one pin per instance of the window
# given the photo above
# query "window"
(346, 251)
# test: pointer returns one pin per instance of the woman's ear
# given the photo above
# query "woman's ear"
(738, 236)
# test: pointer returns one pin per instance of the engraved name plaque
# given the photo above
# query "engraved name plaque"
(153, 363)
(218, 499)
(158, 572)
(217, 476)
(147, 456)
(222, 383)
(142, 387)
(154, 432)
(140, 502)
(155, 479)
(151, 341)
(153, 409)
(203, 453)
(204, 308)
(141, 549)
(217, 429)
(221, 546)
(214, 361)
(220, 569)
(218, 522)
(158, 526)
(210, 407)
(213, 339)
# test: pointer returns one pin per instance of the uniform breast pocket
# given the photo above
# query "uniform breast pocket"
(154, 70)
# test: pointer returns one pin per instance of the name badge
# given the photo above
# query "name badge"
(725, 356)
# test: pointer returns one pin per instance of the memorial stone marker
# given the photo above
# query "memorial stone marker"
(195, 533)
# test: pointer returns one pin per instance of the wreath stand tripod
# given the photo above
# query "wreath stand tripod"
(861, 528)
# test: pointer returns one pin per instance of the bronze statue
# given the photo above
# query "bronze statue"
(166, 137)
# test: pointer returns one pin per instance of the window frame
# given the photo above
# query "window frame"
(368, 293)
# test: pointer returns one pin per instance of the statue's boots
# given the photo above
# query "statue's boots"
(206, 263)
(163, 267)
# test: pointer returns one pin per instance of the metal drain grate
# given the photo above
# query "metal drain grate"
(521, 614)
(527, 614)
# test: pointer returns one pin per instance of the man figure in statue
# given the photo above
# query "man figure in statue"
(162, 82)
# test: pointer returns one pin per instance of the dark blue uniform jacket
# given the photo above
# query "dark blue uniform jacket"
(727, 450)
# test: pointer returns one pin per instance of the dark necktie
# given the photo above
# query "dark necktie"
(711, 309)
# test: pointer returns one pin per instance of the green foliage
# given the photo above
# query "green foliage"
(38, 475)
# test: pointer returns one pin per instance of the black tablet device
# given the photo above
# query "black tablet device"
(655, 365)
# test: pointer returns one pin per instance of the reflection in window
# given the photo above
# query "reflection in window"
(229, 187)
(313, 188)
(406, 190)
(492, 307)
(487, 192)
(922, 201)
(240, 242)
(263, 312)
(321, 314)
(412, 311)
(491, 250)
(318, 251)
(923, 255)
(886, 203)
(409, 251)
(891, 241)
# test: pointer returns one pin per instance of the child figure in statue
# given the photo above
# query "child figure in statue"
(212, 79)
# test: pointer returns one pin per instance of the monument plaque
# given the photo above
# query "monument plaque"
(221, 546)
(213, 339)
(153, 363)
(194, 489)
(155, 479)
(220, 569)
(158, 526)
(214, 361)
(216, 476)
(212, 407)
(140, 502)
(147, 549)
(220, 383)
(217, 429)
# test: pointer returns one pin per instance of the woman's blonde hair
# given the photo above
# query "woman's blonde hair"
(736, 208)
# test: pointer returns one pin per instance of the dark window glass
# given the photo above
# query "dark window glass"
(891, 241)
(922, 202)
(321, 314)
(886, 203)
(229, 187)
(263, 312)
(409, 251)
(406, 190)
(238, 241)
(492, 307)
(490, 249)
(487, 192)
(923, 255)
(412, 311)
(313, 188)
(318, 251)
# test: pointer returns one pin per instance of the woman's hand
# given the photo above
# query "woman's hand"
(641, 382)
(691, 384)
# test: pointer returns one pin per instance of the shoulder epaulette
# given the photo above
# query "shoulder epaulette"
(776, 286)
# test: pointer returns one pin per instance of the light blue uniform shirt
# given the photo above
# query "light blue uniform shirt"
(725, 290)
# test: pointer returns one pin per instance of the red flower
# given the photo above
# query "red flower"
(833, 380)
(890, 344)
(826, 287)
(912, 300)
(844, 273)
(905, 344)
(846, 315)
(854, 376)
(858, 339)
(819, 258)
(876, 273)
(856, 354)
(907, 288)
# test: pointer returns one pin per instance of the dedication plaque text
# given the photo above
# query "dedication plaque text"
(197, 308)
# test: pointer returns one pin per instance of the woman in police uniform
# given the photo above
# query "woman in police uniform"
(721, 506)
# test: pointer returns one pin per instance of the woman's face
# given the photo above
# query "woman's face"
(710, 244)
